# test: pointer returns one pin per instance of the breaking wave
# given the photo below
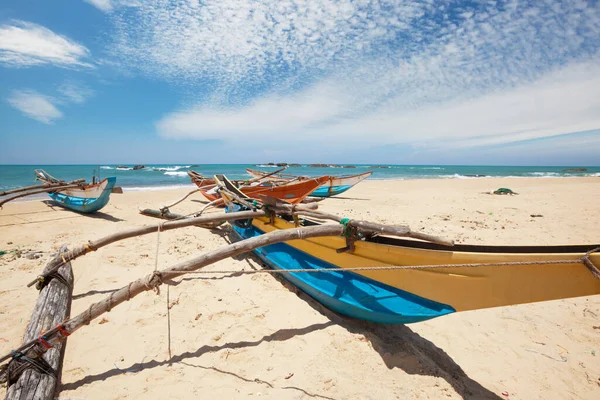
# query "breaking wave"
(176, 173)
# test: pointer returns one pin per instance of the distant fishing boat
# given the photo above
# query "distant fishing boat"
(399, 281)
(334, 186)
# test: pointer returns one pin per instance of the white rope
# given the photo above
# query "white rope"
(382, 268)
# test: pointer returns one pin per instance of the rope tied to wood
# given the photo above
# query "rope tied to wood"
(153, 281)
(44, 280)
(589, 264)
(20, 362)
(347, 226)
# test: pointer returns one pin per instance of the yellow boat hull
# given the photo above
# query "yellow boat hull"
(462, 288)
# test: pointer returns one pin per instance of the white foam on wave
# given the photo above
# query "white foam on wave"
(153, 188)
(176, 173)
(106, 167)
(175, 168)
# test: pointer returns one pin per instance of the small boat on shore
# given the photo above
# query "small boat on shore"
(334, 186)
(398, 281)
(292, 193)
(86, 198)
(76, 195)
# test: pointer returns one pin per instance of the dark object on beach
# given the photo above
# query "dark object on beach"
(504, 191)
(536, 215)
(575, 170)
(136, 167)
(34, 372)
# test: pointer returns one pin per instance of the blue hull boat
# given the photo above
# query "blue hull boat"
(345, 292)
(87, 199)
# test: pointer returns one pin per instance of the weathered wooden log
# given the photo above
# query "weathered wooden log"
(154, 280)
(44, 190)
(79, 251)
(26, 380)
(365, 226)
(166, 214)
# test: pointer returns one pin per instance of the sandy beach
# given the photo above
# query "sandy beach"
(254, 336)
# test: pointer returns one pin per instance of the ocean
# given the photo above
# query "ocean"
(161, 176)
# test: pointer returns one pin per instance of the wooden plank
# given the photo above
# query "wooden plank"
(52, 308)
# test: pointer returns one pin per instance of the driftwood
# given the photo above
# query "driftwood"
(53, 306)
(164, 213)
(34, 349)
(278, 206)
(79, 251)
(49, 189)
(42, 186)
(310, 210)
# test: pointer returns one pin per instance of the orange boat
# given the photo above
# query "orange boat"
(292, 193)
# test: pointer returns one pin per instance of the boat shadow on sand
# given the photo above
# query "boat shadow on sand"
(398, 346)
(95, 215)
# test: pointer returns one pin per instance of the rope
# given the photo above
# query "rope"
(347, 227)
(581, 260)
(40, 365)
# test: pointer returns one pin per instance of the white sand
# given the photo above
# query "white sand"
(235, 337)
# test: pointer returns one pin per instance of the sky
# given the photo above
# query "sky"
(240, 81)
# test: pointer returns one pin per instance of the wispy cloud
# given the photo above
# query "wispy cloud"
(24, 44)
(103, 5)
(109, 5)
(35, 105)
(424, 73)
(75, 92)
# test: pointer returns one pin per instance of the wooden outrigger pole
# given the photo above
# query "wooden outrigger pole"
(34, 349)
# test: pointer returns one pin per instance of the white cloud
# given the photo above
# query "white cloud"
(562, 101)
(108, 6)
(349, 72)
(103, 5)
(231, 40)
(74, 92)
(35, 105)
(24, 44)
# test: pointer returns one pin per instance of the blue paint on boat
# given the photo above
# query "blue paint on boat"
(346, 292)
(328, 191)
(85, 205)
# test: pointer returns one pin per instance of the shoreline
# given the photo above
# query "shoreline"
(227, 332)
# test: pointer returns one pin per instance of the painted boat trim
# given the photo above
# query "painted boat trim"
(328, 191)
(345, 292)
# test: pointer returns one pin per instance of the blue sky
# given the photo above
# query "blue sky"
(426, 82)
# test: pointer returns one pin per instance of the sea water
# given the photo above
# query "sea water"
(162, 176)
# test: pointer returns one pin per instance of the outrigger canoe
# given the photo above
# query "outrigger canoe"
(75, 195)
(85, 198)
(415, 289)
(334, 186)
(292, 193)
